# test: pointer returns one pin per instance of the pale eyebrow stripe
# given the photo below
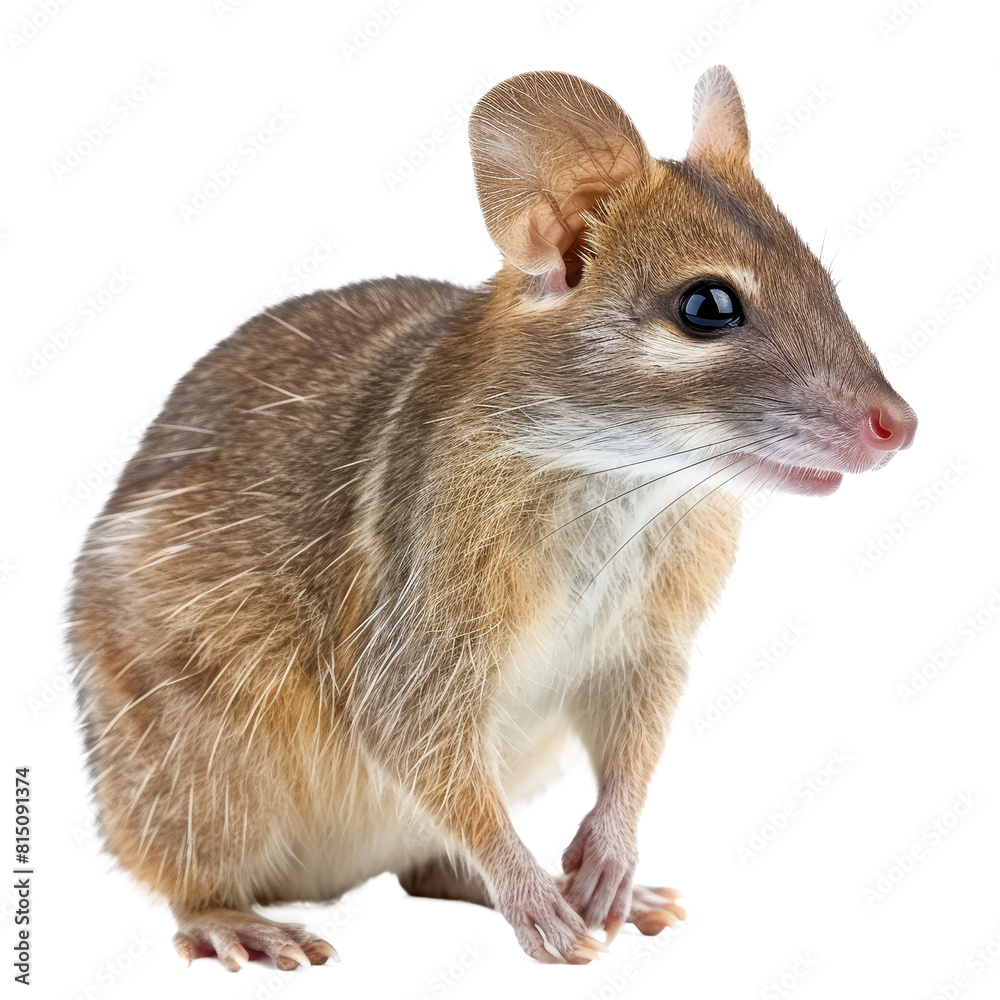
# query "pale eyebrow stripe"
(743, 280)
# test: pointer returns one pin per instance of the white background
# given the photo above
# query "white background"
(879, 576)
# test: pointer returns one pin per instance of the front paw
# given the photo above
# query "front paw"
(599, 865)
(547, 927)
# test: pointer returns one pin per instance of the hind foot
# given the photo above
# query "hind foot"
(232, 934)
(651, 909)
(654, 909)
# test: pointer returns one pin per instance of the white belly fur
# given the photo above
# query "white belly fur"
(597, 619)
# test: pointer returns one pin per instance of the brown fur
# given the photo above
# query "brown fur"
(365, 544)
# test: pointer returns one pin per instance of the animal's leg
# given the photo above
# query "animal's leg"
(442, 878)
(624, 736)
(651, 909)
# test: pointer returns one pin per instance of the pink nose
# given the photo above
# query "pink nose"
(890, 426)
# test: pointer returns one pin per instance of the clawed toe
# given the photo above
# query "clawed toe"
(653, 909)
(231, 935)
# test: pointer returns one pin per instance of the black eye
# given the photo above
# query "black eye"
(710, 309)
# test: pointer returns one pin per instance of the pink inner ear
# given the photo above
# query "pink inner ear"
(709, 132)
(550, 242)
(720, 130)
(555, 282)
(567, 269)
(556, 234)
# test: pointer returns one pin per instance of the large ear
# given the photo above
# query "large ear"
(720, 121)
(546, 147)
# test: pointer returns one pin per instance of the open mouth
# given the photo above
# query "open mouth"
(791, 478)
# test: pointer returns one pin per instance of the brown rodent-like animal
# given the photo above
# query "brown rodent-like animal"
(386, 546)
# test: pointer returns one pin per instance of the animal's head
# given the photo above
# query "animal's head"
(690, 310)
